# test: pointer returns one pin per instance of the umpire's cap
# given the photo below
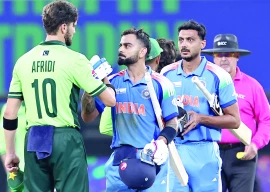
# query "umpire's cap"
(136, 174)
(226, 43)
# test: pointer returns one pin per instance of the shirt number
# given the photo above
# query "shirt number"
(52, 84)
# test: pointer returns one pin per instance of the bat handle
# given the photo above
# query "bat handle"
(203, 89)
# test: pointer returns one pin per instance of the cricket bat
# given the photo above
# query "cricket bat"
(243, 133)
(175, 161)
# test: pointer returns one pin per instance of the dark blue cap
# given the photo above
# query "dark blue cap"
(137, 174)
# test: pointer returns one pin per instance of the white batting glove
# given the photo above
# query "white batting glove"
(101, 67)
(159, 151)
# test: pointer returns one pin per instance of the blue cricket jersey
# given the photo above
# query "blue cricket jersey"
(134, 120)
(216, 80)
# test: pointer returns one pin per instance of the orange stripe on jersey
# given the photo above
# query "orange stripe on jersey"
(210, 66)
(120, 73)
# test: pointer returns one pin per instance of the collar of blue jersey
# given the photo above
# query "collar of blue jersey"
(53, 42)
(238, 75)
(197, 72)
(126, 76)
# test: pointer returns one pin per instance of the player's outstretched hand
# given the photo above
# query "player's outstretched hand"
(12, 162)
(101, 67)
(159, 151)
(194, 120)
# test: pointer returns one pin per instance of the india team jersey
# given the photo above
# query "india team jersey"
(48, 78)
(133, 118)
(216, 80)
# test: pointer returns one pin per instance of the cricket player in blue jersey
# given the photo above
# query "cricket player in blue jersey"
(199, 150)
(135, 127)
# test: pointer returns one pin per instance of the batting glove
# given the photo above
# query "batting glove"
(101, 67)
(159, 151)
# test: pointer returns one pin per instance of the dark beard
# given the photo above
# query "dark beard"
(68, 39)
(128, 61)
(190, 58)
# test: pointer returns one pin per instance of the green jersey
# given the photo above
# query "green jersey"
(49, 78)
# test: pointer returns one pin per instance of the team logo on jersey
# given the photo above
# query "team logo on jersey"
(45, 53)
(177, 84)
(121, 90)
(145, 94)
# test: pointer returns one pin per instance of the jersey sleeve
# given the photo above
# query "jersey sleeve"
(83, 78)
(169, 109)
(15, 88)
(226, 91)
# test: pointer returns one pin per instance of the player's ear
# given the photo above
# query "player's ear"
(158, 59)
(203, 44)
(63, 28)
(143, 52)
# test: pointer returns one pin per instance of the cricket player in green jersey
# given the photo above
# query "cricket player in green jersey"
(48, 78)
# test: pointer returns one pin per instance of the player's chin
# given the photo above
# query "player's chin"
(121, 61)
(187, 57)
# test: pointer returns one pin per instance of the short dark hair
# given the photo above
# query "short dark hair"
(57, 13)
(141, 35)
(191, 24)
(169, 53)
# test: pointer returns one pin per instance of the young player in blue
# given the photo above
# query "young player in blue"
(199, 150)
(135, 127)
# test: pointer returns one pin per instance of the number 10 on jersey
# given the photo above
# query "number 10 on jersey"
(46, 84)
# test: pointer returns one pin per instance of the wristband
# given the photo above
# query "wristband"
(10, 124)
(111, 86)
(169, 133)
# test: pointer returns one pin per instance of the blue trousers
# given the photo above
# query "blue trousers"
(203, 165)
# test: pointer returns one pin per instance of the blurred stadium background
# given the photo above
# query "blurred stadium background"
(99, 27)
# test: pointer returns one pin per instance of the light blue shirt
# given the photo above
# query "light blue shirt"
(134, 120)
(216, 80)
